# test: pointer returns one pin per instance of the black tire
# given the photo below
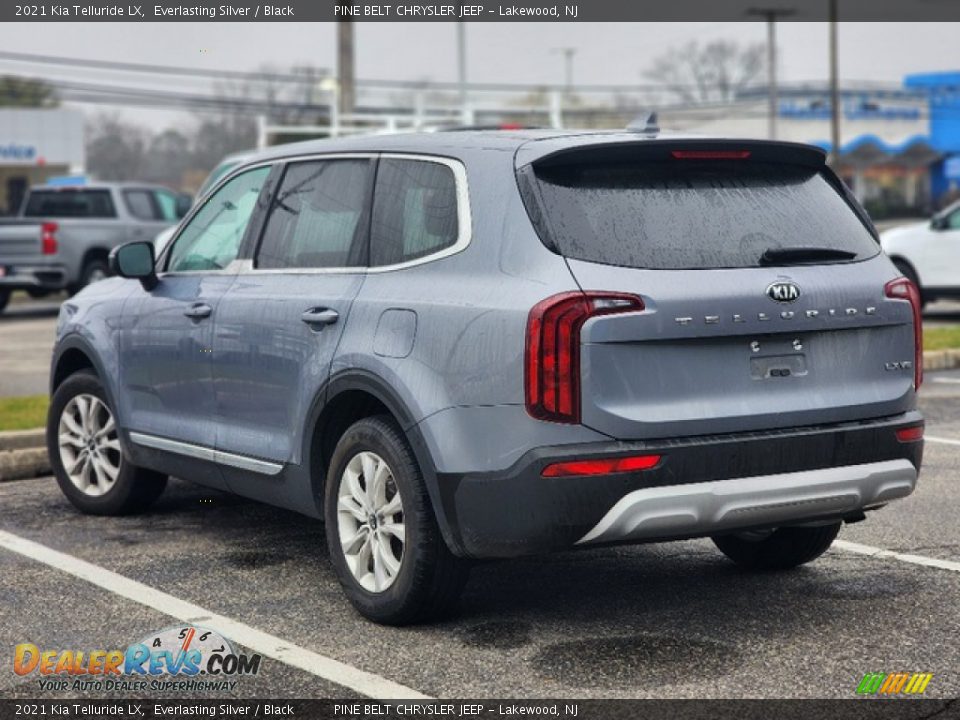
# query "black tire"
(134, 489)
(93, 270)
(782, 549)
(906, 269)
(430, 578)
(4, 299)
(37, 293)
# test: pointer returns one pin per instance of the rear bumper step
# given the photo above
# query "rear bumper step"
(715, 507)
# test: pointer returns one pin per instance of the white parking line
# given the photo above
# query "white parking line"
(948, 381)
(368, 684)
(880, 553)
(945, 441)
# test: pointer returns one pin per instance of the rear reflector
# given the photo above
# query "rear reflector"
(910, 434)
(710, 154)
(605, 466)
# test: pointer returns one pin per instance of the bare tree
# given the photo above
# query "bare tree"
(116, 149)
(714, 72)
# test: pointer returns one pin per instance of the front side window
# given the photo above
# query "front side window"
(139, 204)
(414, 211)
(316, 217)
(211, 239)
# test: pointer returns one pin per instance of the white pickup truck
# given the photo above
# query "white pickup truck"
(63, 234)
(928, 253)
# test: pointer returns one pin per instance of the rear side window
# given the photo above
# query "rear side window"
(140, 204)
(690, 215)
(414, 211)
(70, 204)
(316, 217)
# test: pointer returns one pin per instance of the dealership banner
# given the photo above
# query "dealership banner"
(469, 11)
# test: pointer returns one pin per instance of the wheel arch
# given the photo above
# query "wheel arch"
(348, 397)
(72, 355)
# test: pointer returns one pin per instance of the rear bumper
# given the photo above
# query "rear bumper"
(23, 276)
(702, 486)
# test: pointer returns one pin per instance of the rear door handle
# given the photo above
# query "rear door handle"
(320, 316)
(198, 311)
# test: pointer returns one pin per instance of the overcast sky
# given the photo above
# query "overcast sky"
(497, 52)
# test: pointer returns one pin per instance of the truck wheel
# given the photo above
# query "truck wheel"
(382, 535)
(4, 299)
(779, 549)
(94, 271)
(86, 453)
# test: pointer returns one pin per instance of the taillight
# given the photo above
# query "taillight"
(552, 362)
(910, 434)
(604, 466)
(904, 289)
(48, 238)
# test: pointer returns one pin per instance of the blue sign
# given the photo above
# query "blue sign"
(67, 180)
(852, 110)
(951, 167)
(12, 151)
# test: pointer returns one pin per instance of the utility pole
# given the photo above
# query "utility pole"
(773, 101)
(462, 68)
(568, 53)
(345, 75)
(834, 90)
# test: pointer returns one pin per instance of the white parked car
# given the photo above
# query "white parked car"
(928, 253)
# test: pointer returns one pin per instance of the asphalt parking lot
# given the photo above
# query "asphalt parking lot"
(670, 621)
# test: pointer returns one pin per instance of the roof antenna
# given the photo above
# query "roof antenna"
(645, 122)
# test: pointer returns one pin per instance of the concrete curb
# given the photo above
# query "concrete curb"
(941, 359)
(18, 439)
(23, 463)
(23, 454)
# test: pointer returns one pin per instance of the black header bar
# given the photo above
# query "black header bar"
(478, 11)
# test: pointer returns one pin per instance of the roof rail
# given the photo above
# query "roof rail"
(645, 123)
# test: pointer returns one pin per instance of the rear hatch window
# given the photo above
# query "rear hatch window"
(673, 214)
(69, 204)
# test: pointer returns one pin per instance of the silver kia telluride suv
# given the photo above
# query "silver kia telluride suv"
(477, 344)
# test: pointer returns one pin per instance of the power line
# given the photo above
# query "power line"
(152, 69)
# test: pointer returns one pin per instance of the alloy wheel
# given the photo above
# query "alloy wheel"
(370, 521)
(89, 445)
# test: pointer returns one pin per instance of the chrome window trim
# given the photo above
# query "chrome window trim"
(200, 452)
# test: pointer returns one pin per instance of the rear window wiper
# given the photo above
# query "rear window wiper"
(788, 255)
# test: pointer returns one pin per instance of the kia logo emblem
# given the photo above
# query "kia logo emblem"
(783, 292)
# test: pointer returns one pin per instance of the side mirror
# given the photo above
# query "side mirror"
(184, 203)
(135, 260)
(939, 222)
